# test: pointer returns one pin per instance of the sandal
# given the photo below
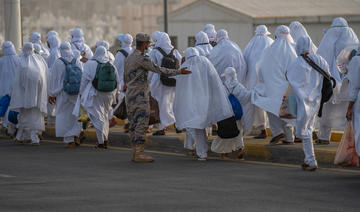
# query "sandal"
(276, 139)
(307, 167)
(100, 146)
(202, 159)
(225, 156)
(240, 154)
(287, 143)
(159, 133)
(298, 140)
(322, 142)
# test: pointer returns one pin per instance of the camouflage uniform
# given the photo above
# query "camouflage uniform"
(136, 78)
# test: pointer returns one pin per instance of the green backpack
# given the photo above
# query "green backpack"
(105, 77)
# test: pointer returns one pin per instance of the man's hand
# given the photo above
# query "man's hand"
(52, 100)
(83, 59)
(185, 71)
(182, 60)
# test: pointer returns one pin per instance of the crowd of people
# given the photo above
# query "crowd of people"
(278, 82)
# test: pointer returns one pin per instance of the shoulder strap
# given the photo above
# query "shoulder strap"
(124, 52)
(318, 69)
(64, 61)
(161, 51)
(73, 61)
(172, 51)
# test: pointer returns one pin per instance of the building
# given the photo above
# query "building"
(100, 20)
(240, 17)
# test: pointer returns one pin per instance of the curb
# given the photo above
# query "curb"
(254, 149)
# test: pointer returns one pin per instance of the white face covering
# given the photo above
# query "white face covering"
(8, 48)
(209, 29)
(262, 30)
(65, 51)
(283, 32)
(28, 49)
(222, 35)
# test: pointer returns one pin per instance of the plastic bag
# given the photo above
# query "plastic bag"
(4, 104)
(83, 116)
(346, 152)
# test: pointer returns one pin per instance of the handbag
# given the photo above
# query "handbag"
(121, 112)
(227, 128)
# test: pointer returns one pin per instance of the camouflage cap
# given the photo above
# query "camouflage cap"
(143, 37)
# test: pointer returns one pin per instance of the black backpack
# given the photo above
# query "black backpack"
(327, 87)
(227, 128)
(123, 52)
(171, 62)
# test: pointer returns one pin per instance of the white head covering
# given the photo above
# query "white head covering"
(297, 30)
(262, 30)
(339, 22)
(8, 48)
(101, 55)
(222, 34)
(77, 35)
(126, 41)
(283, 32)
(191, 52)
(230, 74)
(52, 33)
(8, 65)
(54, 43)
(103, 43)
(164, 43)
(65, 51)
(37, 48)
(337, 38)
(35, 37)
(209, 29)
(199, 93)
(202, 43)
(303, 45)
(156, 36)
(28, 49)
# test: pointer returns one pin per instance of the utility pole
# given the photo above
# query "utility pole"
(12, 16)
(165, 17)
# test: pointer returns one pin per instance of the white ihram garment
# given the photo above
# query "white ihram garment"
(202, 44)
(306, 84)
(354, 78)
(272, 84)
(252, 55)
(337, 38)
(9, 64)
(97, 104)
(29, 93)
(67, 125)
(164, 95)
(220, 145)
(200, 100)
(297, 30)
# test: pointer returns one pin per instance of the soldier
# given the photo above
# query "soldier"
(136, 79)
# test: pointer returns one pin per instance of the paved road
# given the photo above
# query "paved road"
(54, 178)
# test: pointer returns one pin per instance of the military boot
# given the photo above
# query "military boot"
(140, 156)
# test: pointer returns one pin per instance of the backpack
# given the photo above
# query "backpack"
(327, 86)
(73, 76)
(4, 104)
(123, 52)
(105, 77)
(171, 62)
(227, 128)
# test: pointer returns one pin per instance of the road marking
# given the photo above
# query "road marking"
(344, 170)
(6, 176)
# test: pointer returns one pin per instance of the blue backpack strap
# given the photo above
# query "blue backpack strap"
(73, 61)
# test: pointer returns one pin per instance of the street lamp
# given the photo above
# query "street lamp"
(165, 17)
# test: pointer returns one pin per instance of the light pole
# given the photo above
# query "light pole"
(12, 16)
(165, 17)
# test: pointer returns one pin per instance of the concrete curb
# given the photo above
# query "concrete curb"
(254, 149)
